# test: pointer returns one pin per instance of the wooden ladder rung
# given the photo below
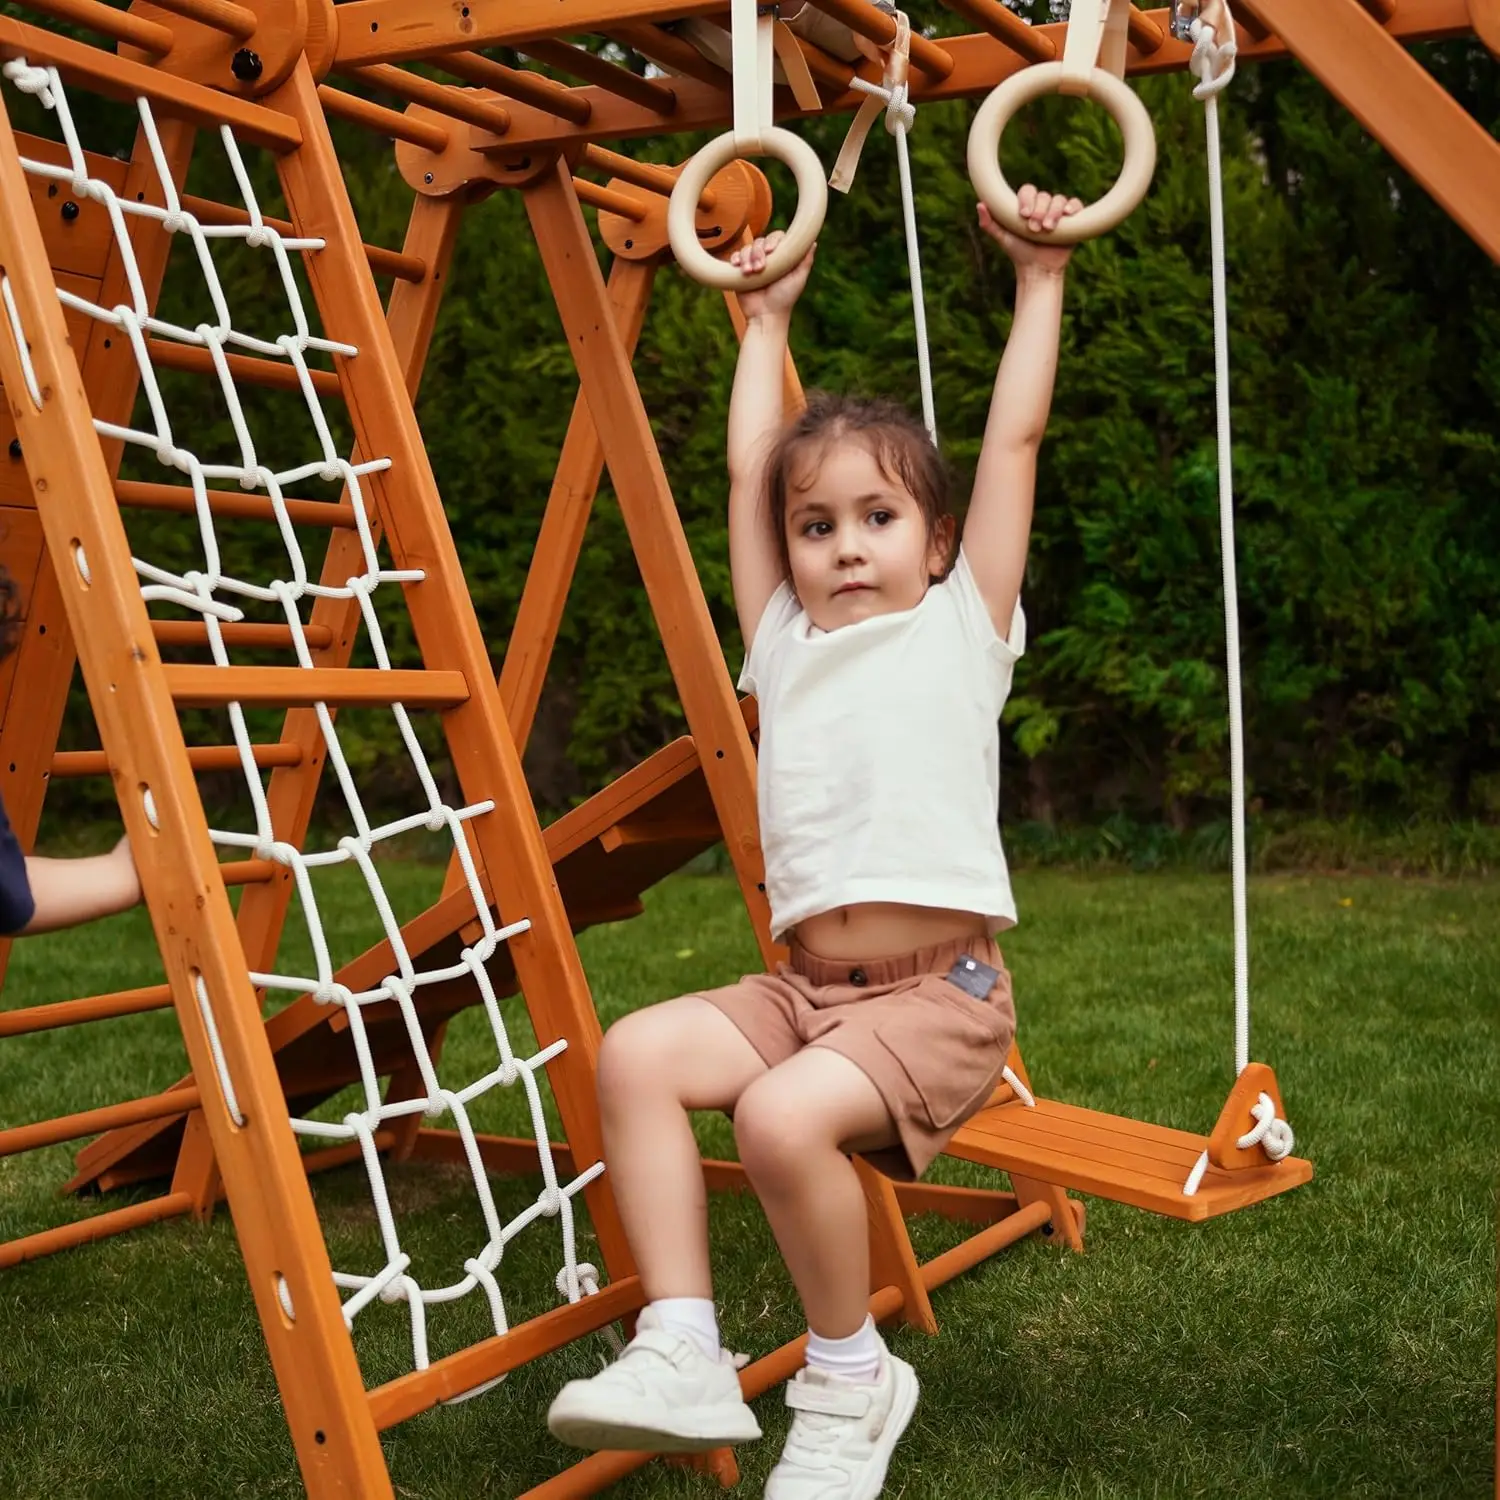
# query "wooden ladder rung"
(93, 1121)
(1115, 1157)
(68, 764)
(247, 369)
(344, 687)
(140, 495)
(89, 1008)
(96, 1227)
(247, 636)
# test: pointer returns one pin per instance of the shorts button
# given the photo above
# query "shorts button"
(858, 977)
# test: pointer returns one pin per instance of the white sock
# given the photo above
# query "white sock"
(692, 1318)
(854, 1358)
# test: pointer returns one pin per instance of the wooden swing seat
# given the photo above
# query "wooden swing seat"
(1114, 1157)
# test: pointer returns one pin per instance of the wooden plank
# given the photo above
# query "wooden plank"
(1111, 1156)
(1400, 103)
(348, 687)
(372, 31)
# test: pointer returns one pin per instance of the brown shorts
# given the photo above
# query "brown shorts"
(933, 1050)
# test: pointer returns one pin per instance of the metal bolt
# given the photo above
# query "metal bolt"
(427, 177)
(70, 210)
(246, 66)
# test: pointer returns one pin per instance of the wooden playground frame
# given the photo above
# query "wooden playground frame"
(274, 63)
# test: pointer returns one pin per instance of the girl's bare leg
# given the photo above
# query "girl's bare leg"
(655, 1066)
(794, 1126)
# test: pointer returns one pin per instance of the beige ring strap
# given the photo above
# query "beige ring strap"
(1097, 218)
(682, 209)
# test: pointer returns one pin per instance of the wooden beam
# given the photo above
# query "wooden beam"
(400, 30)
(1400, 103)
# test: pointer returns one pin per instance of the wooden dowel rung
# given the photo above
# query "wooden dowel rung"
(119, 25)
(383, 262)
(247, 636)
(860, 16)
(249, 871)
(1007, 27)
(609, 200)
(141, 495)
(96, 1227)
(270, 373)
(641, 174)
(71, 764)
(222, 15)
(1145, 35)
(649, 93)
(459, 103)
(383, 121)
(94, 1121)
(530, 88)
(348, 687)
(672, 52)
(89, 1008)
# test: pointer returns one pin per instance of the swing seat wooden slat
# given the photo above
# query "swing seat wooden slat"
(1114, 1157)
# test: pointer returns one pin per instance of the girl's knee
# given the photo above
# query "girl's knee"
(770, 1133)
(631, 1057)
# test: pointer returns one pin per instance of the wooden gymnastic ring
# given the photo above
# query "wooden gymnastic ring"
(682, 210)
(1097, 218)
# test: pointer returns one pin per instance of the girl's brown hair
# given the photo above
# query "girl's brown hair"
(895, 439)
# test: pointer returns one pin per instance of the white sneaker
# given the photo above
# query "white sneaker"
(843, 1433)
(663, 1395)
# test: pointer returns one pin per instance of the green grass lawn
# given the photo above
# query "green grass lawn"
(1339, 1341)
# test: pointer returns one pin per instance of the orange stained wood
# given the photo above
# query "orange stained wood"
(67, 764)
(394, 30)
(1030, 42)
(1236, 1119)
(246, 369)
(91, 1121)
(980, 61)
(509, 840)
(43, 664)
(531, 88)
(201, 687)
(1484, 16)
(655, 528)
(90, 1008)
(397, 124)
(1400, 103)
(578, 62)
(180, 497)
(279, 1233)
(118, 78)
(1113, 1157)
(96, 1227)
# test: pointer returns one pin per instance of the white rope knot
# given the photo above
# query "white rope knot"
(1211, 62)
(550, 1200)
(900, 112)
(1270, 1132)
(31, 80)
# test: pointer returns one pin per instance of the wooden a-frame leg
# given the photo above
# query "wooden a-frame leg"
(656, 534)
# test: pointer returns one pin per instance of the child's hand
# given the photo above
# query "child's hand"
(780, 296)
(1043, 212)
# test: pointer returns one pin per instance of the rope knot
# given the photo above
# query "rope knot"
(1270, 1132)
(31, 80)
(900, 112)
(1212, 63)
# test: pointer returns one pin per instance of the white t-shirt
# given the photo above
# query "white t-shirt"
(880, 755)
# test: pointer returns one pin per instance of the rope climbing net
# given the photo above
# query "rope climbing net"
(209, 593)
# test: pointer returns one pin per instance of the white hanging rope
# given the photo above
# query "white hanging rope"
(200, 589)
(900, 116)
(1213, 64)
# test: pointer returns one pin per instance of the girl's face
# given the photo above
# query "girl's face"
(857, 540)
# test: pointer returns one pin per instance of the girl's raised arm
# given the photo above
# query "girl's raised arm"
(756, 415)
(997, 530)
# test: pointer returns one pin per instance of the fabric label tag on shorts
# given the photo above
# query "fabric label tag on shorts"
(973, 977)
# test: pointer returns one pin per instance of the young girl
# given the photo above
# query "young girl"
(881, 664)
